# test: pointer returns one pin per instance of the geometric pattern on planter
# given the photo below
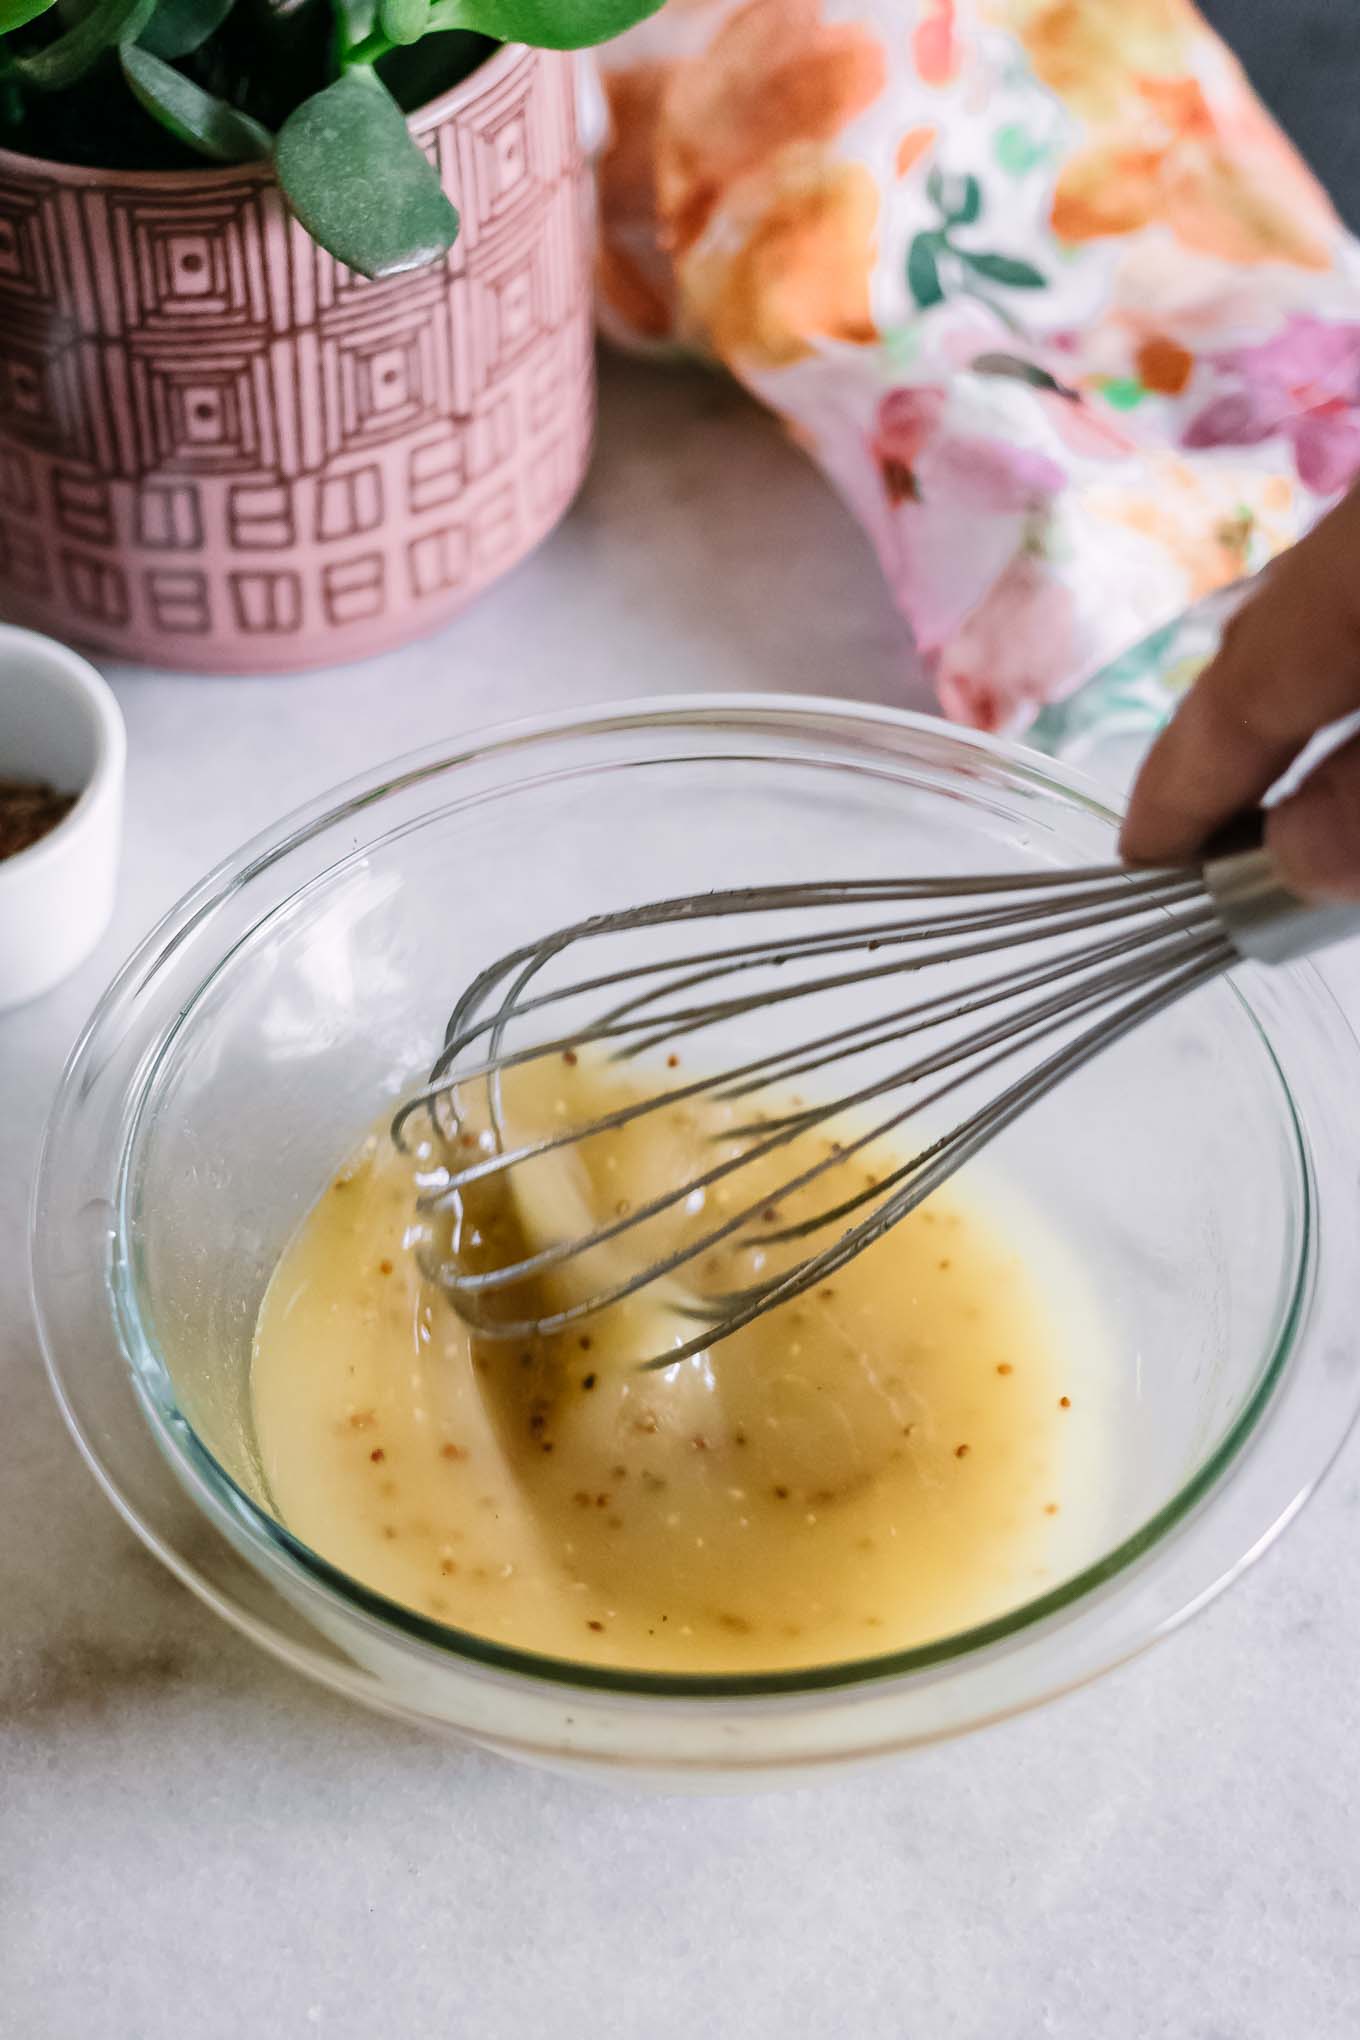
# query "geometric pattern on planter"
(221, 449)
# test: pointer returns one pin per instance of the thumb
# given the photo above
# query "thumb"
(1315, 834)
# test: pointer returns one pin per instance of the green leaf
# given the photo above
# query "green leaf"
(359, 183)
(191, 115)
(967, 204)
(1005, 269)
(355, 19)
(17, 13)
(546, 24)
(404, 21)
(923, 270)
(179, 26)
(108, 23)
(959, 199)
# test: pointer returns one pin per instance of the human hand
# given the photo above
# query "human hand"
(1288, 667)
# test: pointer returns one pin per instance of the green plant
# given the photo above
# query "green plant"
(320, 87)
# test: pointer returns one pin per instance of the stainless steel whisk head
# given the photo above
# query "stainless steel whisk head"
(1018, 978)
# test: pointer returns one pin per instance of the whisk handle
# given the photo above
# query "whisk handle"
(1265, 921)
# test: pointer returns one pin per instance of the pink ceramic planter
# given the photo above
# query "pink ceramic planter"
(220, 450)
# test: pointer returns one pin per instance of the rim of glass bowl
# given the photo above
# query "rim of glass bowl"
(214, 1487)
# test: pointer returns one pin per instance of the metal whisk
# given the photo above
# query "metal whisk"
(1039, 968)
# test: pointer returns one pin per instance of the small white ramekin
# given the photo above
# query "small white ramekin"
(59, 722)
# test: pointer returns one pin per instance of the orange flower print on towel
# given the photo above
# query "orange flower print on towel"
(1092, 52)
(793, 265)
(1221, 178)
(1223, 186)
(1164, 366)
(775, 76)
(910, 149)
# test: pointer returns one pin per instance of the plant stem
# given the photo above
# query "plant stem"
(367, 52)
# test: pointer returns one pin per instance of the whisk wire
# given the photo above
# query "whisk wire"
(776, 1065)
(1116, 948)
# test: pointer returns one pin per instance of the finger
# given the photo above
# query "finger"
(1315, 834)
(1288, 666)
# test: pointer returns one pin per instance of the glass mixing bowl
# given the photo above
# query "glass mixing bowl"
(1199, 1170)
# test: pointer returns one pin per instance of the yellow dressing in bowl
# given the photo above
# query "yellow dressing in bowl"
(903, 1453)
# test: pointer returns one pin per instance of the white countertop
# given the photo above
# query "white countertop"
(194, 1843)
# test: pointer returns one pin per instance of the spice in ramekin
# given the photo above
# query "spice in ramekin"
(29, 808)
